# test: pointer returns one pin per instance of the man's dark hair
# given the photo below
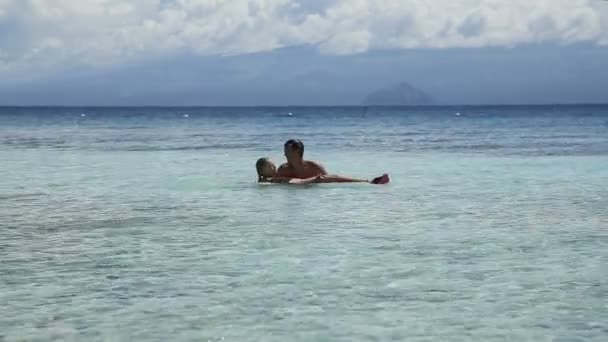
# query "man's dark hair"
(295, 144)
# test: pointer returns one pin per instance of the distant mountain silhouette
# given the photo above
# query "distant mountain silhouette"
(402, 94)
(293, 76)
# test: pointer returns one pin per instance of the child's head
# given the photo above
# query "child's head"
(265, 168)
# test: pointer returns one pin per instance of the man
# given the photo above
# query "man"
(296, 166)
(306, 171)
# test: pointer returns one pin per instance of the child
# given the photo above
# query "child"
(267, 174)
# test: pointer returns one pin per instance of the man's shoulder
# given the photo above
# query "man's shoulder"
(284, 170)
(284, 166)
(314, 164)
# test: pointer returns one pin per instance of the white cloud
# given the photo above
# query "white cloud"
(348, 42)
(4, 7)
(61, 32)
(601, 8)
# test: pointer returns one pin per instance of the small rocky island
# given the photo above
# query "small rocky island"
(402, 94)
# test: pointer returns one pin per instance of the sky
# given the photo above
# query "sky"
(300, 52)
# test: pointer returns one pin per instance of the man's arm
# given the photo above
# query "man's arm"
(287, 180)
(281, 180)
(310, 180)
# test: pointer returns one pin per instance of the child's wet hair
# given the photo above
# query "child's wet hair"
(262, 164)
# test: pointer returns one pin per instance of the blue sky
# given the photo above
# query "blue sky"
(242, 52)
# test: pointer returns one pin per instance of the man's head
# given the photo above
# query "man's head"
(265, 168)
(294, 150)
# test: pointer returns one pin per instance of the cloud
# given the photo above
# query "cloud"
(48, 34)
(601, 8)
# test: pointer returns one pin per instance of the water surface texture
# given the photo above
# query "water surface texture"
(147, 224)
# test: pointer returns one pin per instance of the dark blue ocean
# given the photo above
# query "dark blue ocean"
(147, 224)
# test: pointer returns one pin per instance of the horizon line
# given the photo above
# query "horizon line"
(301, 105)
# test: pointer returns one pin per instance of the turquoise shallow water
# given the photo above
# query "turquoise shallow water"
(117, 226)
